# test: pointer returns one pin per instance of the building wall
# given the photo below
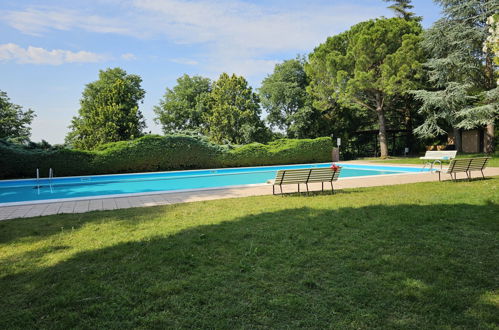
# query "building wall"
(471, 141)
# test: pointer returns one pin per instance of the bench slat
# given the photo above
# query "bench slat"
(467, 164)
(297, 176)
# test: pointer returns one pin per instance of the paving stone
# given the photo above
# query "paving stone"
(95, 205)
(122, 203)
(81, 206)
(67, 207)
(7, 210)
(52, 208)
(134, 201)
(36, 210)
(20, 212)
(108, 204)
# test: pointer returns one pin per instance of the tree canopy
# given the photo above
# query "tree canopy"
(366, 66)
(283, 93)
(14, 121)
(464, 92)
(402, 9)
(234, 112)
(109, 110)
(182, 107)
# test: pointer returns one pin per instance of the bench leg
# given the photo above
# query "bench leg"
(306, 184)
(322, 183)
(332, 188)
(282, 194)
(483, 176)
(273, 190)
(439, 176)
(298, 188)
(468, 174)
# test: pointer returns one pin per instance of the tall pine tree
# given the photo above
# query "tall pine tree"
(462, 74)
(402, 9)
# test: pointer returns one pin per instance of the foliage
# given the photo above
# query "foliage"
(366, 67)
(182, 107)
(461, 73)
(283, 94)
(14, 122)
(154, 153)
(402, 9)
(417, 256)
(234, 111)
(284, 151)
(109, 110)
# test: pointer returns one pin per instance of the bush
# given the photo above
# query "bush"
(157, 153)
(283, 151)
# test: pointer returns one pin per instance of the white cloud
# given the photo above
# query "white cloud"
(128, 56)
(36, 21)
(37, 55)
(233, 33)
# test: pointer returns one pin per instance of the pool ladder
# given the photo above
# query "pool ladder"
(51, 176)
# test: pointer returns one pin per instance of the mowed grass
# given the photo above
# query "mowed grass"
(410, 256)
(493, 162)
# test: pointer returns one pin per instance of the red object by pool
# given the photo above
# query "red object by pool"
(335, 167)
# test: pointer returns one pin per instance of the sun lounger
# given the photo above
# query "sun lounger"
(433, 157)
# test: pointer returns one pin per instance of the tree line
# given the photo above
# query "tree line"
(385, 73)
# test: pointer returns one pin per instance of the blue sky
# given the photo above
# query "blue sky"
(50, 49)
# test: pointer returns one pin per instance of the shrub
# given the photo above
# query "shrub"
(282, 151)
(157, 153)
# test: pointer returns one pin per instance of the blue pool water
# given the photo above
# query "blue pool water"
(121, 184)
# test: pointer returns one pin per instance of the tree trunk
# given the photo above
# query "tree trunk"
(457, 139)
(489, 138)
(383, 144)
(409, 140)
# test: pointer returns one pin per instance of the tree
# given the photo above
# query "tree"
(234, 111)
(402, 9)
(182, 107)
(109, 110)
(14, 122)
(464, 93)
(366, 67)
(492, 41)
(283, 94)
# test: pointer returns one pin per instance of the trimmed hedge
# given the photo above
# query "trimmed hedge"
(157, 153)
(283, 151)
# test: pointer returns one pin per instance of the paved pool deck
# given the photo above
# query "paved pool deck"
(113, 203)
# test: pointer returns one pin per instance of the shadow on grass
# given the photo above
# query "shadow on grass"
(402, 266)
(38, 228)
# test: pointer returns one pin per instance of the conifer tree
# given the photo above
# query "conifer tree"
(464, 93)
(402, 9)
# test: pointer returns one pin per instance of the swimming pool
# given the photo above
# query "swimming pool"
(125, 184)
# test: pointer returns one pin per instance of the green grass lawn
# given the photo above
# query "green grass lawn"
(493, 162)
(410, 256)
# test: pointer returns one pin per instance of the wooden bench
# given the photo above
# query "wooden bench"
(466, 165)
(432, 157)
(305, 176)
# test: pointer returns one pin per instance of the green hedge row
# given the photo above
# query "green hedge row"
(157, 153)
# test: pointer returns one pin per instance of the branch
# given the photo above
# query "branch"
(363, 104)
